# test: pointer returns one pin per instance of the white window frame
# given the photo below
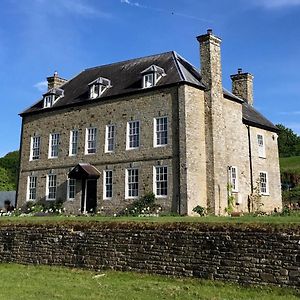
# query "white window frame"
(49, 101)
(157, 132)
(49, 185)
(128, 182)
(148, 80)
(52, 146)
(234, 179)
(73, 145)
(157, 181)
(73, 186)
(128, 135)
(261, 145)
(33, 148)
(110, 136)
(266, 192)
(87, 141)
(106, 183)
(31, 185)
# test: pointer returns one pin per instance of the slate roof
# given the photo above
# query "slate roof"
(126, 78)
(84, 170)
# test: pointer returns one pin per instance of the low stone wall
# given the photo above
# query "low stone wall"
(248, 255)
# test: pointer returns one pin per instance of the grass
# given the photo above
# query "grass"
(36, 282)
(290, 164)
(247, 219)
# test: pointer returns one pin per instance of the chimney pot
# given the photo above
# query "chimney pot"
(240, 70)
(55, 81)
(209, 31)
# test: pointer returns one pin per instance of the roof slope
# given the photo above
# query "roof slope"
(126, 78)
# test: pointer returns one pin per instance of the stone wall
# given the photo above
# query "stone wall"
(238, 253)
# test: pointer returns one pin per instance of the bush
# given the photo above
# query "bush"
(200, 210)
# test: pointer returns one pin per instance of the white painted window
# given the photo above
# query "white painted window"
(148, 80)
(31, 191)
(108, 184)
(133, 135)
(234, 179)
(161, 181)
(48, 101)
(54, 145)
(132, 183)
(91, 140)
(263, 182)
(110, 138)
(160, 131)
(71, 189)
(261, 146)
(73, 149)
(98, 87)
(35, 147)
(51, 187)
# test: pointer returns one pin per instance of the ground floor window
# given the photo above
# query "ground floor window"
(51, 187)
(71, 189)
(233, 179)
(108, 184)
(132, 183)
(32, 184)
(161, 181)
(263, 182)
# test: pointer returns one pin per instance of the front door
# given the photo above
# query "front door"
(90, 196)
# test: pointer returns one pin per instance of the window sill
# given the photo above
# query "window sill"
(160, 146)
(47, 199)
(107, 199)
(90, 153)
(132, 198)
(135, 148)
(263, 157)
(161, 197)
(52, 157)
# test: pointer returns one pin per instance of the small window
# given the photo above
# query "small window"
(110, 138)
(133, 135)
(148, 80)
(91, 140)
(51, 187)
(132, 183)
(35, 147)
(98, 87)
(54, 145)
(234, 179)
(71, 189)
(73, 142)
(160, 131)
(108, 184)
(48, 101)
(32, 184)
(263, 181)
(52, 96)
(261, 146)
(161, 181)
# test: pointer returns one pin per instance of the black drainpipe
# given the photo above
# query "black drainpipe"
(250, 160)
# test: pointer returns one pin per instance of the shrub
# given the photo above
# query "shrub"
(200, 210)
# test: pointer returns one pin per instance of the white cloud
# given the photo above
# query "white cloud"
(271, 4)
(170, 12)
(41, 86)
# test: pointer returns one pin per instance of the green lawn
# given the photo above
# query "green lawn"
(291, 164)
(43, 282)
(273, 219)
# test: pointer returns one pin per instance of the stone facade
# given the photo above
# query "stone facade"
(233, 253)
(207, 135)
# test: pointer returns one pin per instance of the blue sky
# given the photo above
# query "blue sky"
(38, 37)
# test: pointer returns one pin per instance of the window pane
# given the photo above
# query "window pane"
(52, 187)
(32, 184)
(161, 131)
(110, 138)
(108, 185)
(35, 150)
(134, 134)
(54, 144)
(161, 181)
(71, 188)
(133, 182)
(91, 140)
(74, 142)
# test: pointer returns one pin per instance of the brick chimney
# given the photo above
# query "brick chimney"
(242, 86)
(211, 72)
(55, 81)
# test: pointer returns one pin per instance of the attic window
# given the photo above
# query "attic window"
(98, 87)
(152, 75)
(52, 96)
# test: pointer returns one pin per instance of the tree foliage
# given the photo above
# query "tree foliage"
(288, 142)
(9, 165)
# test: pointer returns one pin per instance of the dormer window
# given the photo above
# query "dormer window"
(152, 75)
(98, 87)
(52, 96)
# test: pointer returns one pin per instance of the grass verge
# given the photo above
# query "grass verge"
(36, 282)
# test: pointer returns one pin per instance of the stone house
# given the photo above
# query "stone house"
(154, 124)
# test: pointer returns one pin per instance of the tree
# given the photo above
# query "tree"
(9, 166)
(288, 142)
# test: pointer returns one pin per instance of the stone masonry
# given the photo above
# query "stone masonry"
(259, 256)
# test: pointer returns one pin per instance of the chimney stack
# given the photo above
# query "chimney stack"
(55, 81)
(242, 86)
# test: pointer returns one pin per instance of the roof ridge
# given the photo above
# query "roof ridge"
(128, 60)
(174, 55)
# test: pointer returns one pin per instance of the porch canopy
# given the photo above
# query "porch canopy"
(84, 171)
